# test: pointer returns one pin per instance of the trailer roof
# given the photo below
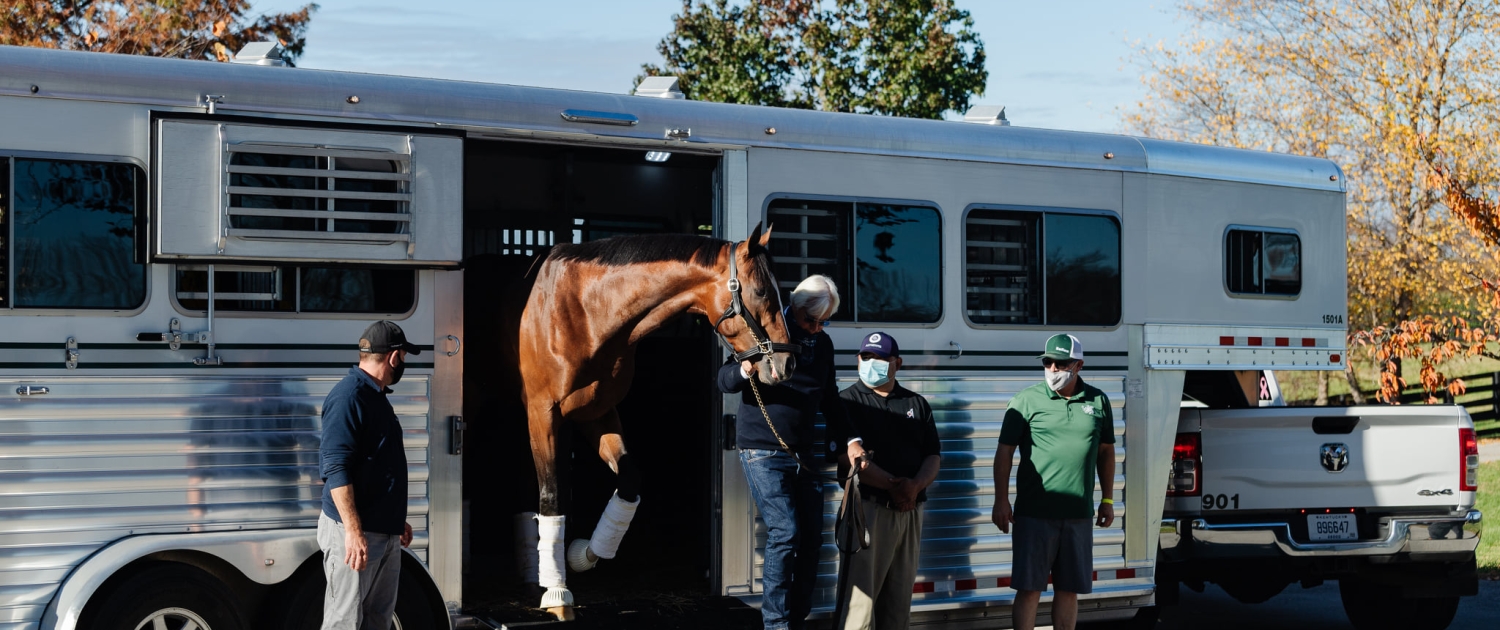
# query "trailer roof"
(514, 110)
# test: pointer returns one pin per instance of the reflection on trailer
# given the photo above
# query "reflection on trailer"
(192, 249)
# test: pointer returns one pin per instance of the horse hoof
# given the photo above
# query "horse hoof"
(562, 613)
(578, 556)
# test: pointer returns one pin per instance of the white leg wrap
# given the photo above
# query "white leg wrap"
(550, 554)
(526, 546)
(612, 526)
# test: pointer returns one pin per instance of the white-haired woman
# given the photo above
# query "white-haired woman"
(787, 492)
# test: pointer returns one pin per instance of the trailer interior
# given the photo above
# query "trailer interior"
(521, 198)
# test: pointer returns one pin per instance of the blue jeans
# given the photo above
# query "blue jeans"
(791, 504)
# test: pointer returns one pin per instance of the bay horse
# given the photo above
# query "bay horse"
(589, 307)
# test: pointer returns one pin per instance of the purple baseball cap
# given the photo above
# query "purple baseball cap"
(881, 345)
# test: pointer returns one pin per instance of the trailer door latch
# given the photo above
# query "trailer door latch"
(72, 354)
(455, 435)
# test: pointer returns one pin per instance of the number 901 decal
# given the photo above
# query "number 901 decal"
(1221, 501)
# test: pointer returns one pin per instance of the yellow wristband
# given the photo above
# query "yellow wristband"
(1107, 501)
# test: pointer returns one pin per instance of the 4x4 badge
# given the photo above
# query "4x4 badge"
(1335, 457)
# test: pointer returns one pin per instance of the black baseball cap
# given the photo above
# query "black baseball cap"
(881, 345)
(382, 337)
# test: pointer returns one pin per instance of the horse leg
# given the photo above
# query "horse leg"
(584, 554)
(548, 432)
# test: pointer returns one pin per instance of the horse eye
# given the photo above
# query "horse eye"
(760, 293)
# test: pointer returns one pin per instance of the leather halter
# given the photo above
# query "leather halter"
(763, 344)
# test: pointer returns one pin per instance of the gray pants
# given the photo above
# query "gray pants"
(880, 578)
(359, 600)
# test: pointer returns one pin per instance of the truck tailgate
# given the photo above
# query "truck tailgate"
(1331, 457)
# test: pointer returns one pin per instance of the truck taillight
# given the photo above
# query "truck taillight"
(1187, 466)
(1468, 460)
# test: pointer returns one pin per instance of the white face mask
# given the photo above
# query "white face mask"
(1058, 380)
(874, 372)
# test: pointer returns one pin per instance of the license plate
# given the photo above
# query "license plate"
(1332, 527)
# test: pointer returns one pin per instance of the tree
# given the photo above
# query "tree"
(189, 29)
(1384, 87)
(916, 58)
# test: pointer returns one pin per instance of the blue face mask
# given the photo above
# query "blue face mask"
(874, 372)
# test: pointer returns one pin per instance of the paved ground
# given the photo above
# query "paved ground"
(1297, 608)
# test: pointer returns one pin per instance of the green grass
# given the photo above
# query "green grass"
(1489, 503)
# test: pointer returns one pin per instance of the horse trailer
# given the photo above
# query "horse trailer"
(191, 250)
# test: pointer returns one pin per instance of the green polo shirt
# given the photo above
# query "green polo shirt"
(1059, 441)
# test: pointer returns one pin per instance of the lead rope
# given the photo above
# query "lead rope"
(853, 470)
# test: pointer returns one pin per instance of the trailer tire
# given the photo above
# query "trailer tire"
(304, 607)
(1371, 606)
(169, 592)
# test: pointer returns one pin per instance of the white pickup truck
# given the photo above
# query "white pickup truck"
(1380, 498)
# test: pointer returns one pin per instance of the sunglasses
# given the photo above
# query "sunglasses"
(1061, 364)
(812, 321)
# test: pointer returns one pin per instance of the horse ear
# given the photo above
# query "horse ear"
(755, 240)
(765, 237)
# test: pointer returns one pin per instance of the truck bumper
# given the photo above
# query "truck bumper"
(1415, 539)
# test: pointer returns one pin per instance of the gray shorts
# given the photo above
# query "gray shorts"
(1062, 547)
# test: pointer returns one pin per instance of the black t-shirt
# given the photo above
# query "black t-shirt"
(899, 428)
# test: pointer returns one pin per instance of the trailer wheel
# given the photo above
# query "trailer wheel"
(1371, 606)
(172, 596)
(304, 609)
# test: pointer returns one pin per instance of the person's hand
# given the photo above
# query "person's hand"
(856, 451)
(1106, 515)
(356, 550)
(747, 368)
(406, 535)
(1001, 515)
(905, 491)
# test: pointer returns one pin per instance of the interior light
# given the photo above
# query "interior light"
(657, 156)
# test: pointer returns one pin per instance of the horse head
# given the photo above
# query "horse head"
(760, 324)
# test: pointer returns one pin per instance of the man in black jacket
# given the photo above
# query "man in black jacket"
(897, 426)
(785, 486)
(363, 464)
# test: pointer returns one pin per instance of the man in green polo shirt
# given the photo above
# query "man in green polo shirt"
(1065, 431)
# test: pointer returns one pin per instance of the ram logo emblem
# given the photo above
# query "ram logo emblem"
(1335, 457)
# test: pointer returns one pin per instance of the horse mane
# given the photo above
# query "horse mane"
(638, 249)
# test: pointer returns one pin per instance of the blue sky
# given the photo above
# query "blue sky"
(1057, 65)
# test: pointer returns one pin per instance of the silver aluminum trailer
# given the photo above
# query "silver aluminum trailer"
(191, 248)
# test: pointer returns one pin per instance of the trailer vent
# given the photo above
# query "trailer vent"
(260, 54)
(660, 87)
(284, 194)
(987, 115)
(318, 193)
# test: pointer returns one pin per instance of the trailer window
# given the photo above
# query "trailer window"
(73, 227)
(297, 289)
(1262, 262)
(886, 258)
(1027, 267)
(4, 233)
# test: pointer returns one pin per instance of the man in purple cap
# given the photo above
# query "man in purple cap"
(363, 463)
(896, 425)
